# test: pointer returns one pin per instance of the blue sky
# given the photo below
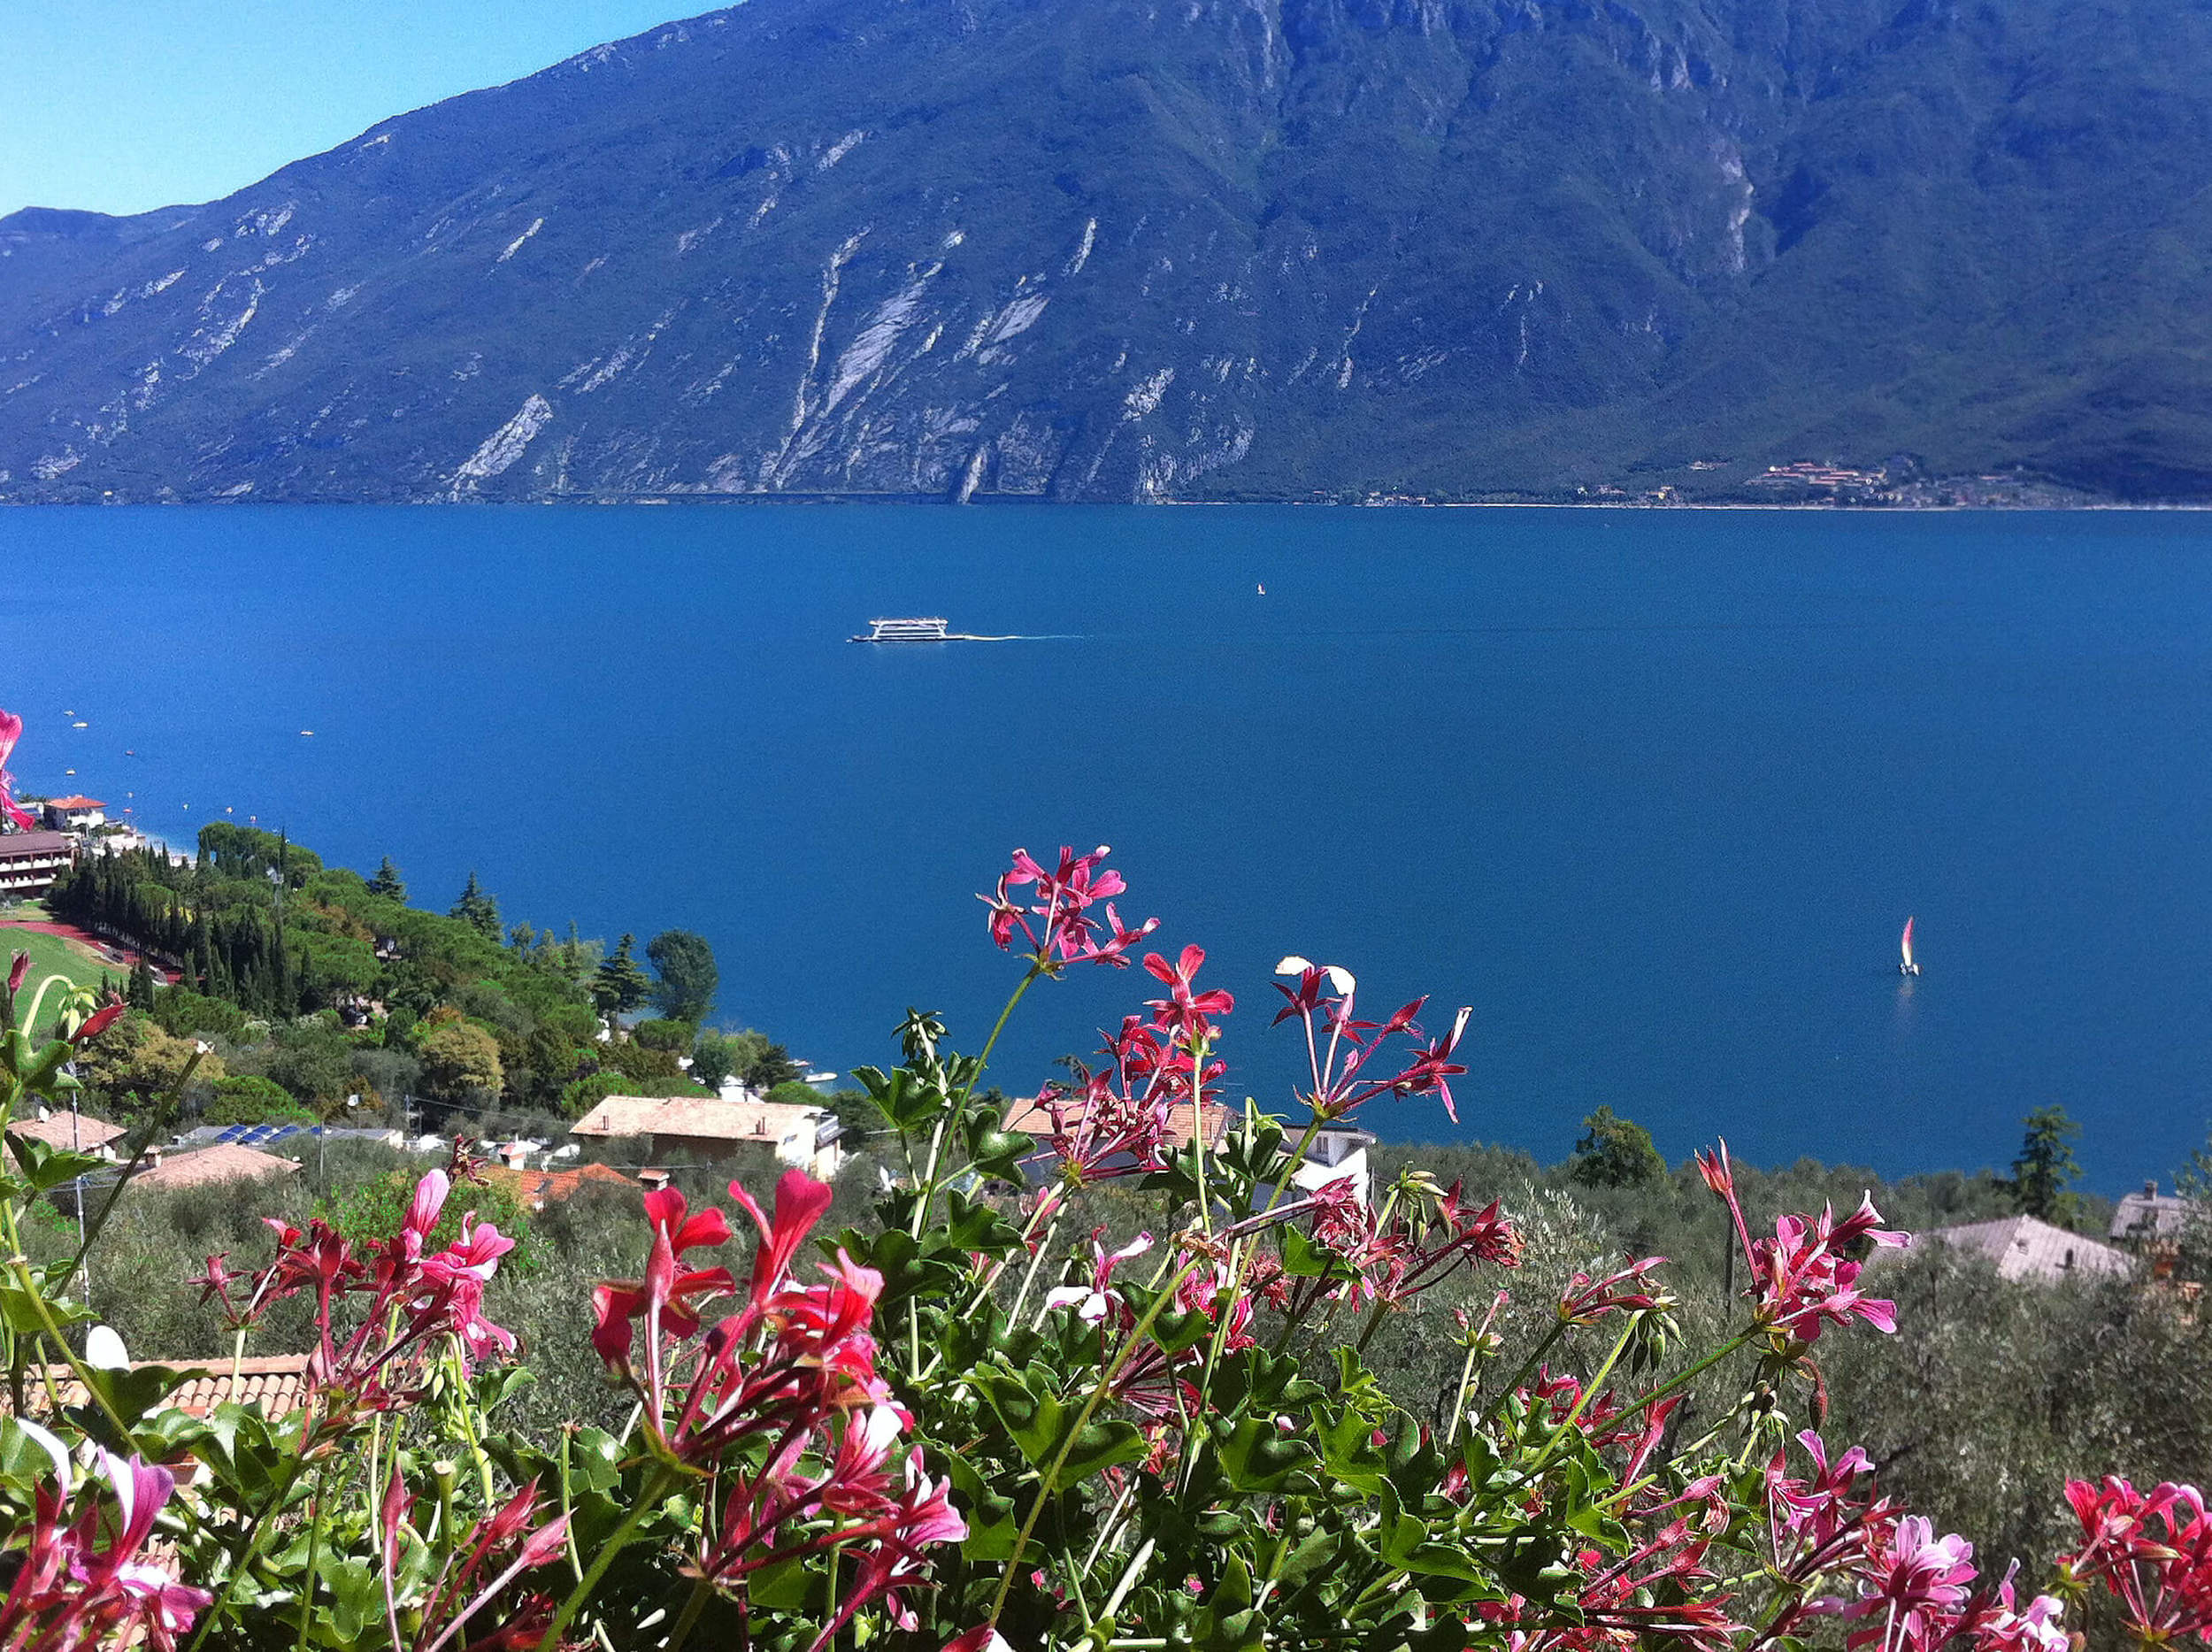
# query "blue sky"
(124, 106)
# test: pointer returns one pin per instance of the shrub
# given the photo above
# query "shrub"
(676, 1037)
(255, 1101)
(185, 1013)
(460, 1062)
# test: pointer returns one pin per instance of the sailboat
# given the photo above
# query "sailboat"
(1907, 966)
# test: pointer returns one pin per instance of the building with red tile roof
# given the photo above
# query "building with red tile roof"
(277, 1383)
(205, 1166)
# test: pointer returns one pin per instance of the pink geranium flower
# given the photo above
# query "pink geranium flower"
(1057, 925)
(11, 731)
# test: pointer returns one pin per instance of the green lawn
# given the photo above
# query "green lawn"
(50, 956)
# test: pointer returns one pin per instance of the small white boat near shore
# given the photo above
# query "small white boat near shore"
(1906, 965)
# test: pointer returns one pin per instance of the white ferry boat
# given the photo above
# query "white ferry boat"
(906, 630)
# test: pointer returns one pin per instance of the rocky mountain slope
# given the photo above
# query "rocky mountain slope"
(1139, 248)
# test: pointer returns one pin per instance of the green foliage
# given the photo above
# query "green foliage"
(1615, 1152)
(2047, 1167)
(386, 885)
(620, 984)
(184, 1012)
(752, 1058)
(246, 852)
(674, 1036)
(460, 1062)
(689, 977)
(314, 1062)
(246, 1099)
(373, 1209)
(478, 911)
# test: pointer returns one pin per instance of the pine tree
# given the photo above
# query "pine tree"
(479, 911)
(621, 985)
(386, 882)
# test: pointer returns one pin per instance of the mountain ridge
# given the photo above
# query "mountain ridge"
(1231, 249)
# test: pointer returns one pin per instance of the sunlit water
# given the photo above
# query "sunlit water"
(1652, 791)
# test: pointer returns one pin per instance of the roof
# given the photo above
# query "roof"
(62, 1130)
(537, 1188)
(2151, 1214)
(262, 1135)
(204, 1166)
(1030, 1117)
(699, 1118)
(2023, 1247)
(19, 845)
(75, 802)
(277, 1383)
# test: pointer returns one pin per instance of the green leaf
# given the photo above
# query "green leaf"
(46, 1166)
(1258, 1457)
(19, 1308)
(990, 1514)
(972, 1226)
(995, 1152)
(133, 1393)
(595, 1460)
(782, 1586)
(1043, 1427)
(355, 1599)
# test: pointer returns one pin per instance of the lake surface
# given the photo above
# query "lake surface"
(1652, 791)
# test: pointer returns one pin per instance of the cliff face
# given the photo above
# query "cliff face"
(1117, 249)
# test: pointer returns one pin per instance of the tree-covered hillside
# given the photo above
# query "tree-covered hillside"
(1235, 248)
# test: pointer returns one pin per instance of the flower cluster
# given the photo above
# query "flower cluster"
(1806, 1277)
(492, 1554)
(2152, 1551)
(93, 1580)
(1418, 1241)
(1340, 1049)
(1908, 1588)
(779, 1401)
(11, 812)
(1057, 924)
(414, 1306)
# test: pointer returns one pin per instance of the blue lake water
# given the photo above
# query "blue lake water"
(1652, 791)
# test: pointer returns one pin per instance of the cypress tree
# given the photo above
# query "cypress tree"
(621, 984)
(479, 911)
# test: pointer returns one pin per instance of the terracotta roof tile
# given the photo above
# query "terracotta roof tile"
(702, 1118)
(225, 1162)
(1029, 1117)
(537, 1188)
(56, 1130)
(277, 1383)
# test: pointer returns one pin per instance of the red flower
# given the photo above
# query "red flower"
(2153, 1551)
(1800, 1276)
(669, 1292)
(11, 731)
(1063, 932)
(86, 1583)
(1915, 1591)
(98, 1022)
(1586, 1301)
(1340, 1047)
(17, 971)
(1185, 1012)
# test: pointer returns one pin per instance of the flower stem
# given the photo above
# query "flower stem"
(649, 1500)
(1082, 1421)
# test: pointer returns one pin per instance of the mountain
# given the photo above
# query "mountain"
(1140, 249)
